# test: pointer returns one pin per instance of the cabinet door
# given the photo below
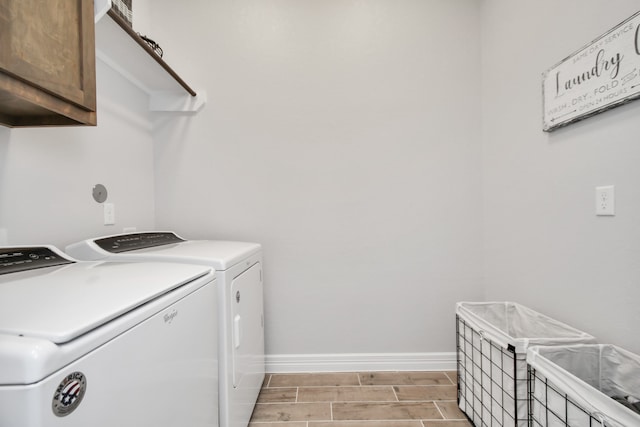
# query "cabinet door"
(47, 57)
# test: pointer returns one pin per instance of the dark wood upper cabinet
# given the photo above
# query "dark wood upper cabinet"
(47, 63)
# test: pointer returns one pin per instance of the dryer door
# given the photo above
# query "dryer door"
(248, 327)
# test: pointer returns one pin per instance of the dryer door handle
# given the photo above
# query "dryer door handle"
(237, 331)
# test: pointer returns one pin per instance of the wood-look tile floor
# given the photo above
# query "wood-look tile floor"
(370, 399)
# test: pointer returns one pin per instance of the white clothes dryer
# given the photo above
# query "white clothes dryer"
(105, 344)
(238, 268)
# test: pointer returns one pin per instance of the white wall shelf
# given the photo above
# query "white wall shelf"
(119, 47)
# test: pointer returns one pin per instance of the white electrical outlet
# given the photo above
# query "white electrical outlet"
(605, 201)
(109, 214)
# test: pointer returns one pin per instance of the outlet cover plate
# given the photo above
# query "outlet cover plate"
(605, 200)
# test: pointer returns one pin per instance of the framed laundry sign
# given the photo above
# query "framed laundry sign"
(599, 76)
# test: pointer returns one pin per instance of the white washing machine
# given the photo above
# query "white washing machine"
(238, 268)
(105, 344)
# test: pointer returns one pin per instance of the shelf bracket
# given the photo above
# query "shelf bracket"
(100, 8)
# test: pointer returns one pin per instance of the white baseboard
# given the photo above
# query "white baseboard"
(352, 362)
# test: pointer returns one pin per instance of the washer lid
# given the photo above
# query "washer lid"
(59, 304)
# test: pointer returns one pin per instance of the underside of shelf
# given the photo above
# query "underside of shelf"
(122, 49)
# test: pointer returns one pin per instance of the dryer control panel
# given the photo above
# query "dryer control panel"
(134, 241)
(13, 260)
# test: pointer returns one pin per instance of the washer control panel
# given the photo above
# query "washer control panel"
(13, 260)
(134, 241)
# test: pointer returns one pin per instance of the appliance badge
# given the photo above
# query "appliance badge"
(69, 394)
(168, 317)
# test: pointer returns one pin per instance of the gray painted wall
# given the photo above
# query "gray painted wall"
(343, 136)
(544, 246)
(47, 174)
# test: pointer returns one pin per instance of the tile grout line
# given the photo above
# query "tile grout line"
(450, 379)
(393, 389)
(439, 411)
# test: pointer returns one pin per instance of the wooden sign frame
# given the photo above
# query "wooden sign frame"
(599, 76)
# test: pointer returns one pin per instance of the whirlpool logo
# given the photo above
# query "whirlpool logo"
(168, 317)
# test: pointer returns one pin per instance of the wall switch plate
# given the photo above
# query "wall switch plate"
(605, 201)
(109, 214)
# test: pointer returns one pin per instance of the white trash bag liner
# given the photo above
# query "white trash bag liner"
(509, 323)
(590, 376)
